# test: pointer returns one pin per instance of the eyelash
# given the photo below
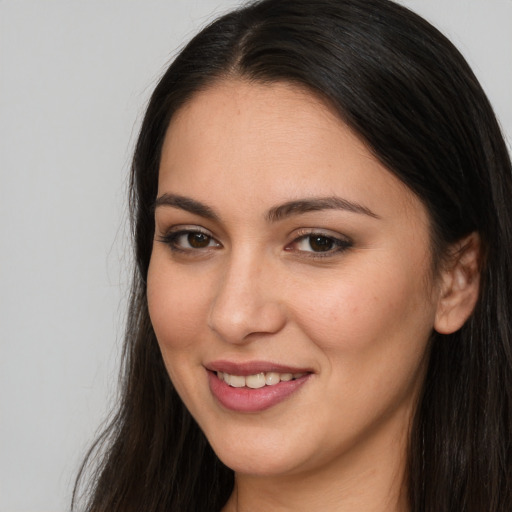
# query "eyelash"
(337, 245)
(172, 240)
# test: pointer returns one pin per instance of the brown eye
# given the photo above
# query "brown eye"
(320, 243)
(189, 241)
(198, 240)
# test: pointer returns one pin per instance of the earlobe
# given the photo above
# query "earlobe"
(460, 285)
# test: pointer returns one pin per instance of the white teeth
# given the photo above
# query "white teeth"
(258, 380)
(236, 381)
(272, 378)
(255, 381)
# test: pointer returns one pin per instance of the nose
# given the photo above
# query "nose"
(246, 302)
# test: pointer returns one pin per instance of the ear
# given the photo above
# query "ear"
(459, 285)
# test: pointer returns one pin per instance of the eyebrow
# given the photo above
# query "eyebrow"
(187, 204)
(315, 204)
(276, 213)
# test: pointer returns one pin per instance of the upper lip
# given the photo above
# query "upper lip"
(253, 367)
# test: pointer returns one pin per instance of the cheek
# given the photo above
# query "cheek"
(372, 335)
(175, 307)
(367, 309)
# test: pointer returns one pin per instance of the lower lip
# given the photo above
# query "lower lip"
(253, 400)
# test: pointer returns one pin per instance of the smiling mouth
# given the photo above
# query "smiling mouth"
(257, 380)
(254, 387)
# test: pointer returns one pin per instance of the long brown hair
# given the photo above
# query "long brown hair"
(410, 95)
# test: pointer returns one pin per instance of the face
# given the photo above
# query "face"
(290, 284)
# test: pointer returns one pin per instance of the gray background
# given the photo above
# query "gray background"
(74, 79)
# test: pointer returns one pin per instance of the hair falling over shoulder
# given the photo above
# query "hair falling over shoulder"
(410, 95)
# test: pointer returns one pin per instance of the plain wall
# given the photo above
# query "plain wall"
(74, 78)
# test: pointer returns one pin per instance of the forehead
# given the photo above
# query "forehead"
(274, 142)
(248, 115)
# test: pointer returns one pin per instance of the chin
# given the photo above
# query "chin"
(262, 454)
(259, 465)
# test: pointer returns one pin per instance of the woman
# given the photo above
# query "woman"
(320, 197)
